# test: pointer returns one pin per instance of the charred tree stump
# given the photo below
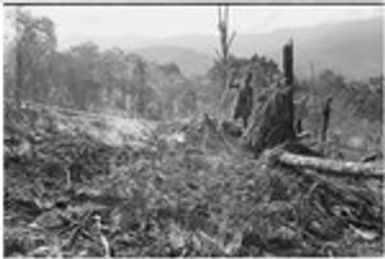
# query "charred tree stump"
(272, 122)
(276, 124)
(325, 118)
(288, 61)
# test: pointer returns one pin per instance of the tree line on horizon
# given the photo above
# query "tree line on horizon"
(114, 80)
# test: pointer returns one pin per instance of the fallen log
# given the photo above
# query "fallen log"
(328, 166)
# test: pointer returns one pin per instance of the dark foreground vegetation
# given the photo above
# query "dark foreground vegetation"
(162, 195)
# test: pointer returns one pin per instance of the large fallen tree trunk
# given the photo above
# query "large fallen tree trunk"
(329, 166)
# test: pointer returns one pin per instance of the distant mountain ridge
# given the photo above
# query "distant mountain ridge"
(352, 48)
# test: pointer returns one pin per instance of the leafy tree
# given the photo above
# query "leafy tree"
(140, 90)
(329, 82)
(114, 71)
(187, 103)
(170, 69)
(34, 45)
(377, 82)
(83, 79)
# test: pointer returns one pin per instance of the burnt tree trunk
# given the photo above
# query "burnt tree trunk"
(272, 121)
(288, 63)
(326, 109)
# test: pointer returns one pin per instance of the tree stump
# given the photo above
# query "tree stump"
(275, 123)
(272, 120)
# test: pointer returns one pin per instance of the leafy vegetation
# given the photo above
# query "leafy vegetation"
(356, 109)
(84, 77)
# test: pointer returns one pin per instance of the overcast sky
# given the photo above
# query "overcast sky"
(77, 22)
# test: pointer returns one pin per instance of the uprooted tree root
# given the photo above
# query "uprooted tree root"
(185, 199)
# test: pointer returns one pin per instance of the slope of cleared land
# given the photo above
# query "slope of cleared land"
(80, 184)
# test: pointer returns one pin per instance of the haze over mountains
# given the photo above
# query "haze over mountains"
(353, 48)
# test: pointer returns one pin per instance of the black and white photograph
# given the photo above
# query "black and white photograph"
(192, 128)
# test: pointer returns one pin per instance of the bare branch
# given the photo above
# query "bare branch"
(232, 37)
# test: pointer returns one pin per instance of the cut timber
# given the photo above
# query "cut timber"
(330, 166)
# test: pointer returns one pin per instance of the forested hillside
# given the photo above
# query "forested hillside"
(86, 78)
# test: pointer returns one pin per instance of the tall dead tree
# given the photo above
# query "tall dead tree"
(225, 40)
